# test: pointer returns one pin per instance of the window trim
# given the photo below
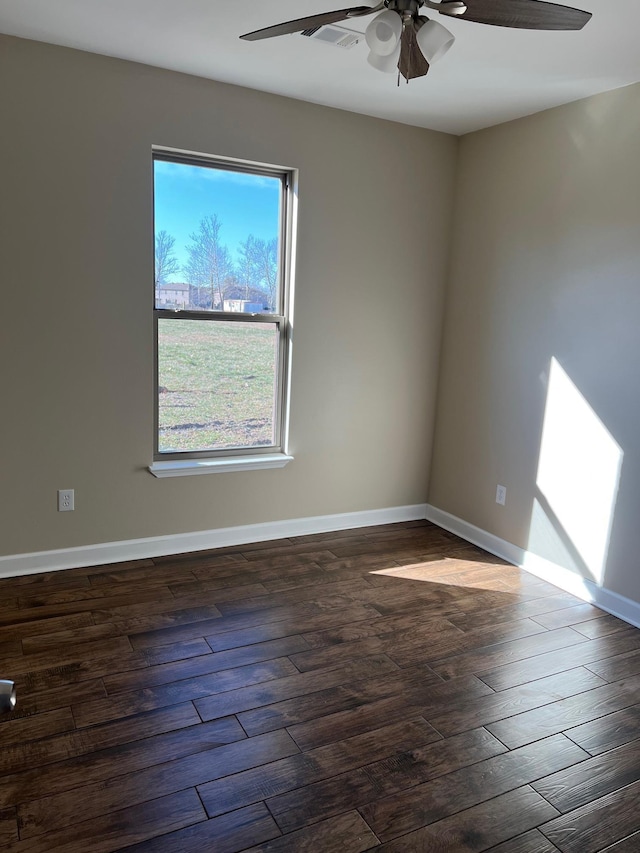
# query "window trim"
(179, 463)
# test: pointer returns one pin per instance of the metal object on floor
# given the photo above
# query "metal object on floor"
(7, 696)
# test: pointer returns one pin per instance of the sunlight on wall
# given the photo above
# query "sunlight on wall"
(578, 475)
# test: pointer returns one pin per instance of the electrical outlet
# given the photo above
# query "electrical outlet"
(65, 500)
(501, 495)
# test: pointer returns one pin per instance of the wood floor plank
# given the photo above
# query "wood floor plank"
(214, 592)
(317, 576)
(613, 667)
(570, 616)
(226, 834)
(117, 577)
(15, 730)
(289, 627)
(385, 644)
(60, 697)
(278, 777)
(516, 700)
(576, 786)
(630, 844)
(245, 698)
(337, 593)
(224, 624)
(426, 643)
(177, 651)
(380, 626)
(161, 779)
(513, 612)
(135, 701)
(35, 753)
(69, 653)
(119, 829)
(600, 627)
(10, 648)
(35, 626)
(478, 828)
(124, 565)
(388, 776)
(413, 684)
(259, 561)
(205, 664)
(491, 643)
(216, 558)
(390, 817)
(531, 842)
(488, 657)
(501, 675)
(566, 713)
(9, 617)
(70, 597)
(394, 528)
(188, 623)
(607, 732)
(72, 672)
(366, 563)
(167, 612)
(33, 784)
(8, 826)
(346, 832)
(345, 724)
(598, 824)
(44, 642)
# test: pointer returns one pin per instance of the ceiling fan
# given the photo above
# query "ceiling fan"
(400, 38)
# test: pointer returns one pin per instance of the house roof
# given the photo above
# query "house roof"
(175, 285)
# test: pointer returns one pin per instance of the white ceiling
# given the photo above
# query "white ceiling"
(490, 75)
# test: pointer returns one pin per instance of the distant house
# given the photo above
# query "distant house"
(244, 306)
(174, 294)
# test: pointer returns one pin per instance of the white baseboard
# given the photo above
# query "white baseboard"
(606, 599)
(179, 543)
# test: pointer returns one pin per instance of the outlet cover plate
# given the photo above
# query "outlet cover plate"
(66, 500)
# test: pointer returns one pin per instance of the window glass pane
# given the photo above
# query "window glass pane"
(217, 385)
(216, 238)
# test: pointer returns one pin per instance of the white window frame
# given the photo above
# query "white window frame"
(181, 463)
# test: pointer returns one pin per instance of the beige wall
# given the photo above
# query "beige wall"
(76, 329)
(546, 264)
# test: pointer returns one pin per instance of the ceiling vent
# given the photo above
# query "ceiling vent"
(334, 35)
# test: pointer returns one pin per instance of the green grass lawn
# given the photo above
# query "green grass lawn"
(216, 382)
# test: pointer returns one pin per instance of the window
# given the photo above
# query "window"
(223, 233)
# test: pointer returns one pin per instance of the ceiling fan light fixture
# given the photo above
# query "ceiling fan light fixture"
(383, 33)
(387, 64)
(434, 40)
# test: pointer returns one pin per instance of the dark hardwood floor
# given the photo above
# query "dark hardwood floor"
(389, 688)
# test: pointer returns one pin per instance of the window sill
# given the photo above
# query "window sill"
(189, 467)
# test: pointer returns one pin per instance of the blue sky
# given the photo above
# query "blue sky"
(245, 204)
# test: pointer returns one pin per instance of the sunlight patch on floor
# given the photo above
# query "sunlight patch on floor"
(450, 572)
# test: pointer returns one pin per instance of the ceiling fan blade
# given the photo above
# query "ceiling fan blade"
(311, 21)
(412, 62)
(521, 14)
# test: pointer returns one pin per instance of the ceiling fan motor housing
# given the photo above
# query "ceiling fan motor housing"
(400, 6)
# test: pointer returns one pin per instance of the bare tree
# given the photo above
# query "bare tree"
(258, 268)
(248, 267)
(209, 263)
(267, 259)
(166, 261)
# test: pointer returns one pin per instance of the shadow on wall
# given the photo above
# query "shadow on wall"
(577, 482)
